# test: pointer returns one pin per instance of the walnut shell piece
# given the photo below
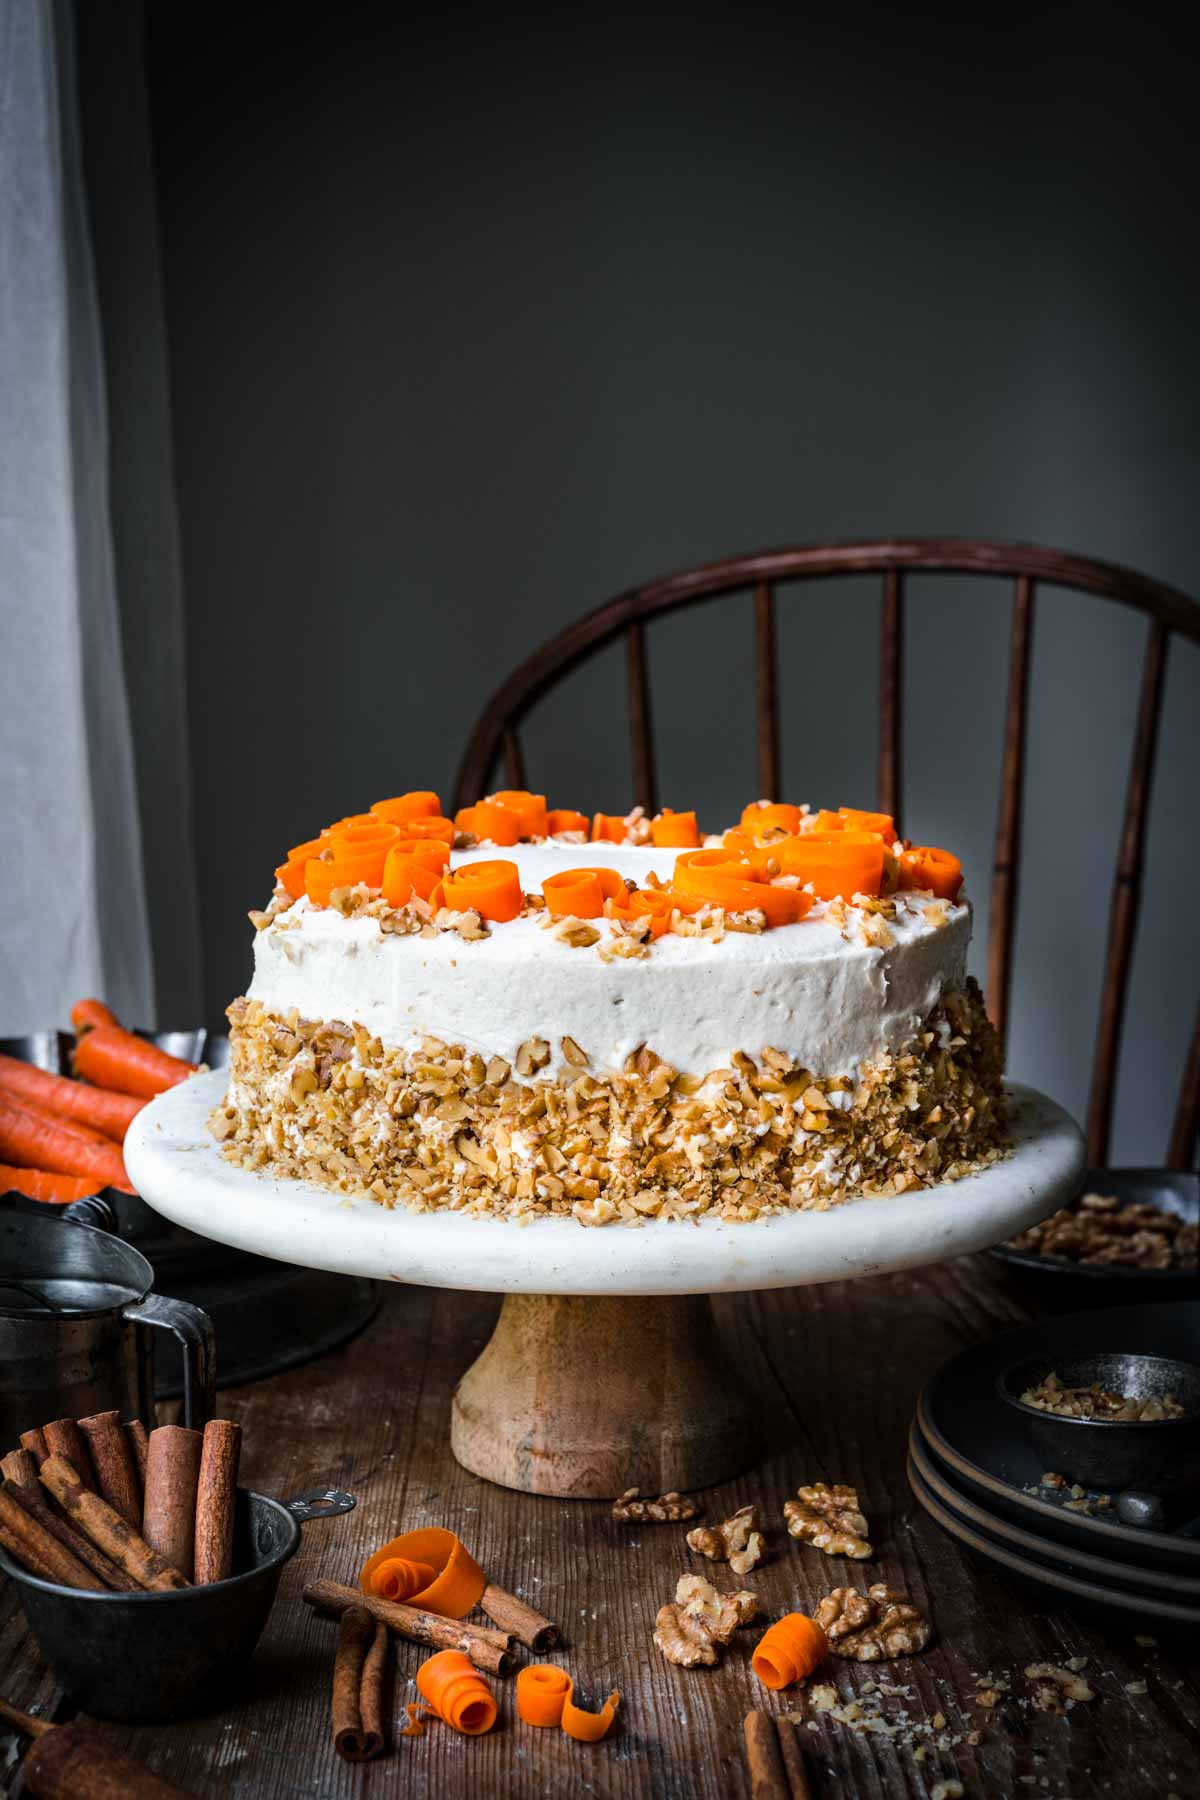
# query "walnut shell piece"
(868, 1627)
(829, 1518)
(672, 1508)
(737, 1541)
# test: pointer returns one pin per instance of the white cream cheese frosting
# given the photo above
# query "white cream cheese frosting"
(829, 1001)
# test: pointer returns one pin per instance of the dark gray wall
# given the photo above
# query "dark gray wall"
(472, 325)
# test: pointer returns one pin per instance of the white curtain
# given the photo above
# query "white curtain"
(72, 901)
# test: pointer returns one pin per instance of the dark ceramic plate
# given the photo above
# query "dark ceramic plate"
(1051, 1278)
(1068, 1590)
(980, 1445)
(1083, 1565)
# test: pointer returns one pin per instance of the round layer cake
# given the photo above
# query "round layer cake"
(617, 1062)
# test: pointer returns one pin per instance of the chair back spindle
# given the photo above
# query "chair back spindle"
(891, 692)
(1006, 861)
(768, 692)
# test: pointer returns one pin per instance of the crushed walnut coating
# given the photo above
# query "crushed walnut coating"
(829, 1518)
(737, 1541)
(1100, 1232)
(437, 1126)
(1097, 1402)
(882, 1622)
(672, 1508)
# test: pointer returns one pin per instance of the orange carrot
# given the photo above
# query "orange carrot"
(492, 888)
(110, 1113)
(87, 1013)
(419, 805)
(738, 886)
(923, 866)
(530, 809)
(541, 1691)
(359, 854)
(290, 874)
(581, 893)
(35, 1139)
(789, 1650)
(826, 821)
(647, 903)
(457, 1692)
(839, 862)
(409, 870)
(457, 1579)
(586, 1727)
(490, 823)
(432, 827)
(856, 820)
(608, 828)
(762, 822)
(43, 1184)
(675, 830)
(561, 818)
(112, 1058)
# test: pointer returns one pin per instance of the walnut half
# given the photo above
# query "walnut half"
(670, 1508)
(829, 1518)
(691, 1630)
(738, 1541)
(870, 1626)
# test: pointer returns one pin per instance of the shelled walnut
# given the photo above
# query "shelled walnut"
(672, 1508)
(738, 1541)
(870, 1626)
(691, 1629)
(829, 1518)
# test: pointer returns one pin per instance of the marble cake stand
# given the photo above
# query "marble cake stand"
(605, 1368)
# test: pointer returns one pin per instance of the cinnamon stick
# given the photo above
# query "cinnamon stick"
(486, 1648)
(216, 1495)
(107, 1529)
(112, 1459)
(520, 1621)
(20, 1470)
(72, 1762)
(64, 1438)
(351, 1738)
(793, 1760)
(139, 1443)
(768, 1778)
(35, 1442)
(169, 1508)
(370, 1692)
(26, 1539)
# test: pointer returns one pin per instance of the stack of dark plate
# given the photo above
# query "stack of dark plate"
(977, 1462)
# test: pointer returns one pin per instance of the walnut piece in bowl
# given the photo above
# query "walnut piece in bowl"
(1110, 1421)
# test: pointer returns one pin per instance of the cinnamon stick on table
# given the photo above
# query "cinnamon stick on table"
(107, 1529)
(26, 1539)
(486, 1648)
(116, 1472)
(216, 1496)
(169, 1508)
(512, 1615)
(774, 1759)
(19, 1469)
(354, 1738)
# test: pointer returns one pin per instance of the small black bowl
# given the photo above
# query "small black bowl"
(1162, 1455)
(158, 1656)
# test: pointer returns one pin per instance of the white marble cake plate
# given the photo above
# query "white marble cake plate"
(587, 1385)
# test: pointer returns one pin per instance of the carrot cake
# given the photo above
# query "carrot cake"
(526, 1011)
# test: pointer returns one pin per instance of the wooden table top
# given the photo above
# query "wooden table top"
(835, 1371)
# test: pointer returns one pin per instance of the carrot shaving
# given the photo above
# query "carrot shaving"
(404, 807)
(587, 1727)
(608, 828)
(431, 828)
(845, 862)
(581, 893)
(291, 873)
(457, 1692)
(412, 868)
(356, 853)
(675, 830)
(44, 1184)
(826, 821)
(789, 1650)
(399, 1578)
(490, 823)
(417, 1712)
(856, 820)
(560, 819)
(936, 871)
(647, 903)
(541, 1694)
(763, 822)
(457, 1580)
(737, 885)
(492, 888)
(528, 809)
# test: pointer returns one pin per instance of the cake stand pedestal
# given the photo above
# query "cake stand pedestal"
(605, 1369)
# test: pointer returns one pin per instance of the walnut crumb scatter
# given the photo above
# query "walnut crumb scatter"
(1057, 1689)
(868, 1627)
(738, 1541)
(829, 1518)
(631, 1509)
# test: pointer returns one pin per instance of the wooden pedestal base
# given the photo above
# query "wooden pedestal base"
(586, 1397)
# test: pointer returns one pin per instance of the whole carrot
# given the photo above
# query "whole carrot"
(112, 1114)
(33, 1138)
(43, 1184)
(85, 1014)
(113, 1058)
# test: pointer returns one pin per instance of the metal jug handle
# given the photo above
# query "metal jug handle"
(194, 1331)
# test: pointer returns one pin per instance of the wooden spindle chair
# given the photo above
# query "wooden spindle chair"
(494, 739)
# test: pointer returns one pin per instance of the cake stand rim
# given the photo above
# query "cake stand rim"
(179, 1171)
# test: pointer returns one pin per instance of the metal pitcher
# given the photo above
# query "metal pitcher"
(76, 1309)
